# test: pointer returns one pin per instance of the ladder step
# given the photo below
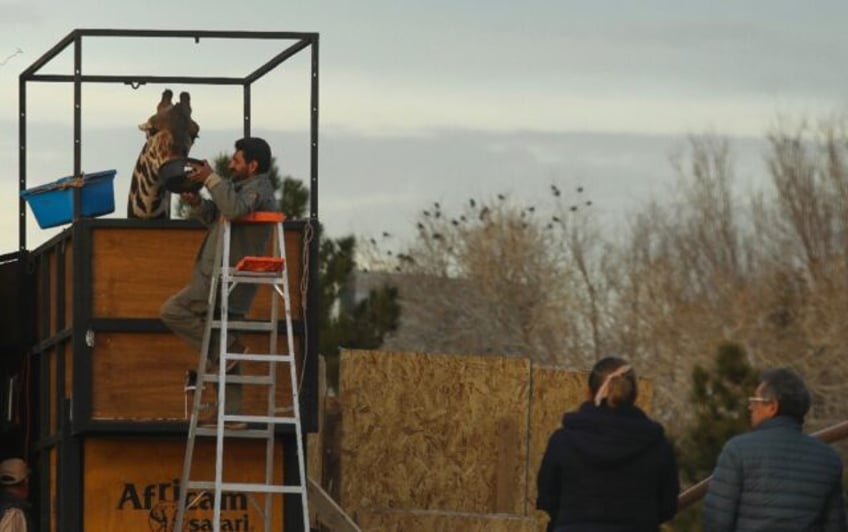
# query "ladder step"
(274, 420)
(258, 357)
(244, 487)
(240, 379)
(228, 433)
(243, 325)
(254, 278)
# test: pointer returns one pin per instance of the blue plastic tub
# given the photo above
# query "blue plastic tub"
(53, 203)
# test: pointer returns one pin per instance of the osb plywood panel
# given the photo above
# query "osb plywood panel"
(412, 520)
(433, 432)
(554, 392)
(135, 270)
(139, 376)
(314, 441)
(131, 483)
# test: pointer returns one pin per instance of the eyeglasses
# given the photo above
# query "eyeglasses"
(752, 400)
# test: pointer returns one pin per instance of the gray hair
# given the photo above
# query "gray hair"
(789, 390)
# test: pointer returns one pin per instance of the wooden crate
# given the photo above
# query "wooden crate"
(132, 483)
(104, 359)
(108, 418)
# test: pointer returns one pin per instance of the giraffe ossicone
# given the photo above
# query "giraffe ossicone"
(169, 134)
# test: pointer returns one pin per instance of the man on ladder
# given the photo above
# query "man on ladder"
(249, 190)
(240, 216)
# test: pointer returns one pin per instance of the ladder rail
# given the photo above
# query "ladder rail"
(295, 384)
(198, 387)
(280, 251)
(222, 373)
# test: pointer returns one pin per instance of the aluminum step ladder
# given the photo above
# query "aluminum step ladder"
(267, 270)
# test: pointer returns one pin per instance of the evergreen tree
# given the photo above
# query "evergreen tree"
(719, 400)
(365, 324)
(719, 397)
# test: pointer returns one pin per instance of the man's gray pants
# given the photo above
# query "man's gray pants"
(185, 314)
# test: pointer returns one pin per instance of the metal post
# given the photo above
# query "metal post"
(21, 162)
(77, 125)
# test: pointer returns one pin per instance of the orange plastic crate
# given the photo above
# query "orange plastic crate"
(260, 264)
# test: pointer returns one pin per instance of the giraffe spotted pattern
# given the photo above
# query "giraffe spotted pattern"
(169, 134)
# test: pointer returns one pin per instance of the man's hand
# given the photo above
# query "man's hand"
(200, 172)
(191, 198)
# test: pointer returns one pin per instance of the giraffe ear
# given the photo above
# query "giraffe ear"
(185, 101)
(166, 102)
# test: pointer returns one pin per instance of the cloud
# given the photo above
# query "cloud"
(370, 183)
(16, 14)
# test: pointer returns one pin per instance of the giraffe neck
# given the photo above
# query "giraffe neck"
(147, 199)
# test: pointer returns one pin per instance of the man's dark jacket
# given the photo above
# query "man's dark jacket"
(608, 469)
(776, 479)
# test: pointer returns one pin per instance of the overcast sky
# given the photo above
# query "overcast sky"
(437, 100)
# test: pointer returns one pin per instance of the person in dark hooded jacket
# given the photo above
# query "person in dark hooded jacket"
(609, 468)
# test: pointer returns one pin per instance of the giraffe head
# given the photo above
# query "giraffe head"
(172, 124)
(169, 133)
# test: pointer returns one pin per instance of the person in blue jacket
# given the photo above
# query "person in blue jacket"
(609, 468)
(776, 478)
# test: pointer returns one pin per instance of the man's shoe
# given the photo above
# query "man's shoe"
(190, 380)
(237, 348)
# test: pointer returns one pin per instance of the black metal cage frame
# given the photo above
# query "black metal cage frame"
(301, 40)
(295, 42)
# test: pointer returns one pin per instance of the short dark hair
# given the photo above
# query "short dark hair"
(789, 390)
(255, 149)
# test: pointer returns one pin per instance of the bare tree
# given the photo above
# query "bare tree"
(769, 274)
(496, 278)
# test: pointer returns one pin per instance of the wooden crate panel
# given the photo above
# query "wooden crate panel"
(132, 483)
(70, 287)
(294, 256)
(52, 410)
(53, 499)
(49, 261)
(555, 391)
(136, 269)
(139, 376)
(450, 430)
(405, 520)
(53, 377)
